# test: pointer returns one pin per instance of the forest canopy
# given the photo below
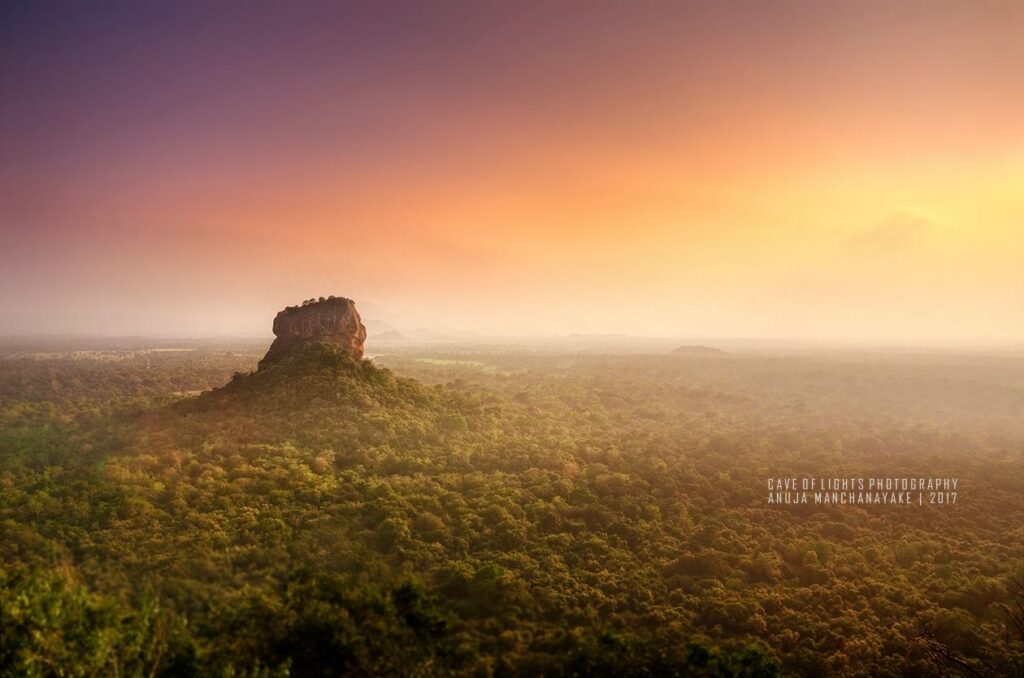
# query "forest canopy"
(503, 512)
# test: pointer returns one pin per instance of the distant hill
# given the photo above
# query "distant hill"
(699, 351)
(389, 335)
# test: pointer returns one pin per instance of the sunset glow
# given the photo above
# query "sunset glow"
(824, 171)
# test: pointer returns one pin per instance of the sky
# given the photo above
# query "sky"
(837, 171)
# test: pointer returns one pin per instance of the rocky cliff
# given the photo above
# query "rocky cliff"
(333, 321)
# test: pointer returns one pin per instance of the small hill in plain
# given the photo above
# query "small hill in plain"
(699, 352)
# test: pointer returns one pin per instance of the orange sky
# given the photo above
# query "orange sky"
(807, 170)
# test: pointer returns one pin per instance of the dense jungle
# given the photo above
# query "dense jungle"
(451, 509)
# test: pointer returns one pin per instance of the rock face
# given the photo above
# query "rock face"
(333, 321)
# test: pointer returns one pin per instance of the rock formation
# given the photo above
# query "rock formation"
(332, 321)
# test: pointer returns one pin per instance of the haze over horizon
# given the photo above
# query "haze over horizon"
(798, 170)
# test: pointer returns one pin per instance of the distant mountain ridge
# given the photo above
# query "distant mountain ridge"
(699, 351)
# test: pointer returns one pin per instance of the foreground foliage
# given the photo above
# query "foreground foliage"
(526, 514)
